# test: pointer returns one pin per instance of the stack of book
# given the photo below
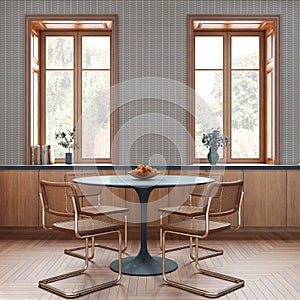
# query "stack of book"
(42, 155)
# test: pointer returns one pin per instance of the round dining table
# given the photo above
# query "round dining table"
(143, 264)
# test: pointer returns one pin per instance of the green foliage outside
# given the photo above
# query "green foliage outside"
(95, 95)
(245, 111)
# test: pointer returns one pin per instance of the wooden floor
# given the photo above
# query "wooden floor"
(268, 262)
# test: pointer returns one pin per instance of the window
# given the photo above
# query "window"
(233, 71)
(73, 65)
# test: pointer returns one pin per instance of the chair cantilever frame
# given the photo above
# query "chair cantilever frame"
(85, 228)
(95, 211)
(200, 229)
(192, 212)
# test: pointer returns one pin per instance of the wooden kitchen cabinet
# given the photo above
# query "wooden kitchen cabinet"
(265, 200)
(271, 196)
(293, 195)
(19, 198)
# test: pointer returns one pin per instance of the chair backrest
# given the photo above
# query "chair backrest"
(82, 189)
(229, 197)
(200, 191)
(56, 198)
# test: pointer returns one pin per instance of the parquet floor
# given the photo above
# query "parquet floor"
(268, 262)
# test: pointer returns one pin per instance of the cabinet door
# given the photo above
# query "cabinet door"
(293, 203)
(265, 198)
(19, 198)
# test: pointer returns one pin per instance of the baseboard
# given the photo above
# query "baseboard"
(153, 233)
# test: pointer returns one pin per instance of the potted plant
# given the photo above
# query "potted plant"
(67, 141)
(214, 140)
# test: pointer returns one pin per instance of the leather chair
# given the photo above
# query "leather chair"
(79, 224)
(231, 195)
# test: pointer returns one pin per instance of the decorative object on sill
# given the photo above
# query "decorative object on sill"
(214, 140)
(68, 157)
(213, 156)
(45, 154)
(36, 155)
(51, 156)
(67, 141)
(42, 155)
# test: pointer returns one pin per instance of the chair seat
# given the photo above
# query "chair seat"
(184, 210)
(195, 226)
(99, 210)
(87, 226)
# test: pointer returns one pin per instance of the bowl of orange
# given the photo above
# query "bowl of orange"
(143, 172)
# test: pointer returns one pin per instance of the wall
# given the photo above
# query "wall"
(152, 44)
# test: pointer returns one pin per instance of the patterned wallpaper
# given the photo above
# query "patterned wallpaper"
(152, 72)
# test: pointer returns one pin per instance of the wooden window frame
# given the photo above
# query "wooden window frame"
(35, 24)
(270, 152)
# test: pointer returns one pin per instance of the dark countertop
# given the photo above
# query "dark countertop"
(170, 167)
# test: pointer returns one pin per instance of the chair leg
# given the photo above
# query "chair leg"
(216, 252)
(73, 251)
(45, 283)
(237, 283)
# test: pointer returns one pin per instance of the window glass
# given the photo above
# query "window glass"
(245, 52)
(95, 52)
(85, 89)
(208, 52)
(96, 114)
(59, 52)
(245, 114)
(59, 106)
(208, 105)
(227, 88)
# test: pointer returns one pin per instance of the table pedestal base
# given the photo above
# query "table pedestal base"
(143, 266)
